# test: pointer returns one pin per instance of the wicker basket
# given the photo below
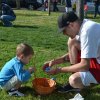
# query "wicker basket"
(43, 86)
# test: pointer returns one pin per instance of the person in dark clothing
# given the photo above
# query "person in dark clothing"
(7, 15)
(68, 7)
(46, 5)
(97, 3)
(55, 8)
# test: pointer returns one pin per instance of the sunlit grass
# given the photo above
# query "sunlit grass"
(40, 31)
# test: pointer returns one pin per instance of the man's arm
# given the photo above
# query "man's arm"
(82, 66)
(60, 60)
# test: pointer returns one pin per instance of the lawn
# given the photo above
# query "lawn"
(40, 31)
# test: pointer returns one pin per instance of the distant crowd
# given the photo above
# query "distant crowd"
(70, 5)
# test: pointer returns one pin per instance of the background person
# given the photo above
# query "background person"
(97, 3)
(45, 5)
(68, 7)
(7, 15)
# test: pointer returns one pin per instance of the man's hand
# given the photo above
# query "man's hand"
(47, 64)
(54, 71)
(62, 59)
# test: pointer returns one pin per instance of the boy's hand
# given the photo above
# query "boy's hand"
(54, 71)
(32, 69)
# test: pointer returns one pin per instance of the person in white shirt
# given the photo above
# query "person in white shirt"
(84, 52)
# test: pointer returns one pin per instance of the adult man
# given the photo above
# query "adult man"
(97, 3)
(84, 42)
(7, 15)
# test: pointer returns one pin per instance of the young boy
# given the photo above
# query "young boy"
(13, 74)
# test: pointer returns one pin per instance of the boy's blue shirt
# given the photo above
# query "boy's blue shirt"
(14, 67)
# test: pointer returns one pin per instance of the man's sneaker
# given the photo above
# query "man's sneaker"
(15, 93)
(67, 88)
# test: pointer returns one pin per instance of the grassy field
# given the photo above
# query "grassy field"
(40, 31)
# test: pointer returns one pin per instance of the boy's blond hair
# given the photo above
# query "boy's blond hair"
(24, 49)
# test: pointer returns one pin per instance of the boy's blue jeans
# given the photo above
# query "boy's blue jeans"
(6, 19)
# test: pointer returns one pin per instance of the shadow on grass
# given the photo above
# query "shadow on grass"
(91, 92)
(2, 39)
(86, 93)
(53, 96)
(24, 26)
(27, 90)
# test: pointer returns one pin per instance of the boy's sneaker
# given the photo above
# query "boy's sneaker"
(67, 88)
(15, 93)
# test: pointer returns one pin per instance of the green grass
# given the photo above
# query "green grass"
(40, 31)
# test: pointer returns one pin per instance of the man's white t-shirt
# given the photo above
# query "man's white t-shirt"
(89, 37)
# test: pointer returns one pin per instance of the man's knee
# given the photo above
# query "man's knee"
(73, 43)
(72, 80)
(75, 80)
